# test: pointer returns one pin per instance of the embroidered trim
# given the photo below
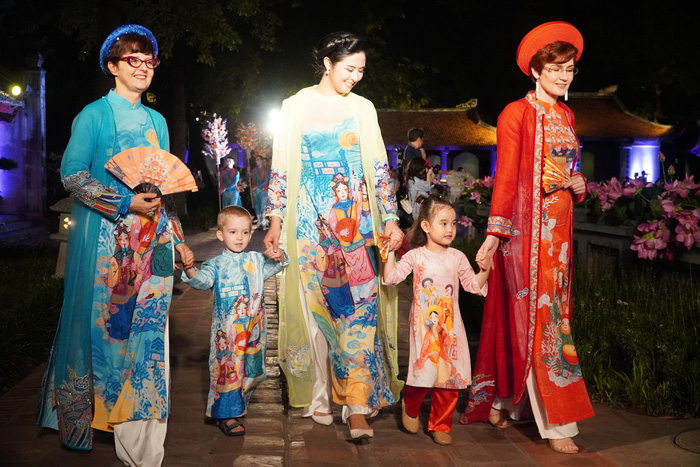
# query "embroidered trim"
(499, 225)
(74, 411)
(93, 193)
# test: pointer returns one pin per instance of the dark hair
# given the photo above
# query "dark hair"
(555, 52)
(416, 236)
(417, 167)
(414, 134)
(336, 46)
(129, 44)
(232, 211)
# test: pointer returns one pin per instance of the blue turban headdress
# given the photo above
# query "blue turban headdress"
(120, 31)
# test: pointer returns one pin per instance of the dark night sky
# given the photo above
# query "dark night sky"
(467, 48)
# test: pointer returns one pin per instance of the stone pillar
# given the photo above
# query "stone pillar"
(32, 123)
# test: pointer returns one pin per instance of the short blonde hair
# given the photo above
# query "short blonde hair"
(232, 211)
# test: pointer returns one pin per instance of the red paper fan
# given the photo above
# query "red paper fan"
(554, 176)
(152, 165)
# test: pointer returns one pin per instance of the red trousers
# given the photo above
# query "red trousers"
(442, 405)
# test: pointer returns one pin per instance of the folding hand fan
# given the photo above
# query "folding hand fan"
(553, 176)
(152, 165)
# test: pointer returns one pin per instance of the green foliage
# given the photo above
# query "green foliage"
(637, 334)
(31, 306)
(201, 218)
(637, 337)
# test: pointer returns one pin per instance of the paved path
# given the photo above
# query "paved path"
(278, 436)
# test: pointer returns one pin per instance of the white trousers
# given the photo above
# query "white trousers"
(321, 392)
(141, 443)
(547, 430)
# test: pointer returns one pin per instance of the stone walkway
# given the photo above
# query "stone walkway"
(278, 436)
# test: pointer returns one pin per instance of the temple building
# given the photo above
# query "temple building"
(614, 142)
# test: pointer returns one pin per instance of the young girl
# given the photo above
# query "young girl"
(439, 355)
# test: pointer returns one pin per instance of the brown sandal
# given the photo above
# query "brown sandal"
(227, 428)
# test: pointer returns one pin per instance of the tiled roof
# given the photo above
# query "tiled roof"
(444, 127)
(598, 115)
(602, 115)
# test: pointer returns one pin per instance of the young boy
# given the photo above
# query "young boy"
(239, 325)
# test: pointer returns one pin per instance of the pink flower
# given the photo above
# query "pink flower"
(593, 187)
(475, 196)
(614, 189)
(465, 221)
(677, 188)
(687, 232)
(671, 170)
(634, 187)
(654, 241)
(469, 182)
(669, 208)
(662, 158)
(487, 182)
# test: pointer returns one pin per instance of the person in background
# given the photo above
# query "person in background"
(259, 181)
(415, 146)
(228, 187)
(419, 183)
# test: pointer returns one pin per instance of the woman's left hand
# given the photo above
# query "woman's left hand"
(577, 184)
(392, 230)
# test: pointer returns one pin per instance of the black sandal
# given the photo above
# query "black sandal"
(227, 428)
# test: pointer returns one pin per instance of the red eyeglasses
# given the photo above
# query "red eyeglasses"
(136, 62)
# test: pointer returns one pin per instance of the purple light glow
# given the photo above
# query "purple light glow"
(643, 157)
(10, 180)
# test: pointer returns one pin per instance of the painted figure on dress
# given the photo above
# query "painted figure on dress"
(529, 236)
(331, 184)
(109, 365)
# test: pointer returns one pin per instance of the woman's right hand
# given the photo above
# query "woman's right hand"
(272, 238)
(144, 203)
(488, 248)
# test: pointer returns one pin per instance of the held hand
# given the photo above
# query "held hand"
(272, 238)
(487, 249)
(577, 184)
(391, 229)
(485, 263)
(186, 255)
(277, 256)
(144, 203)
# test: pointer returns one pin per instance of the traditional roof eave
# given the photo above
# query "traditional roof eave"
(445, 127)
(601, 115)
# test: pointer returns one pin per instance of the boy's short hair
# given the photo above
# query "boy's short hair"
(232, 211)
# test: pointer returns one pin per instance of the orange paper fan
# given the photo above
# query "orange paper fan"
(554, 176)
(152, 165)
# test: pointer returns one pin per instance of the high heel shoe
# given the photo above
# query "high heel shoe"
(323, 419)
(360, 433)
